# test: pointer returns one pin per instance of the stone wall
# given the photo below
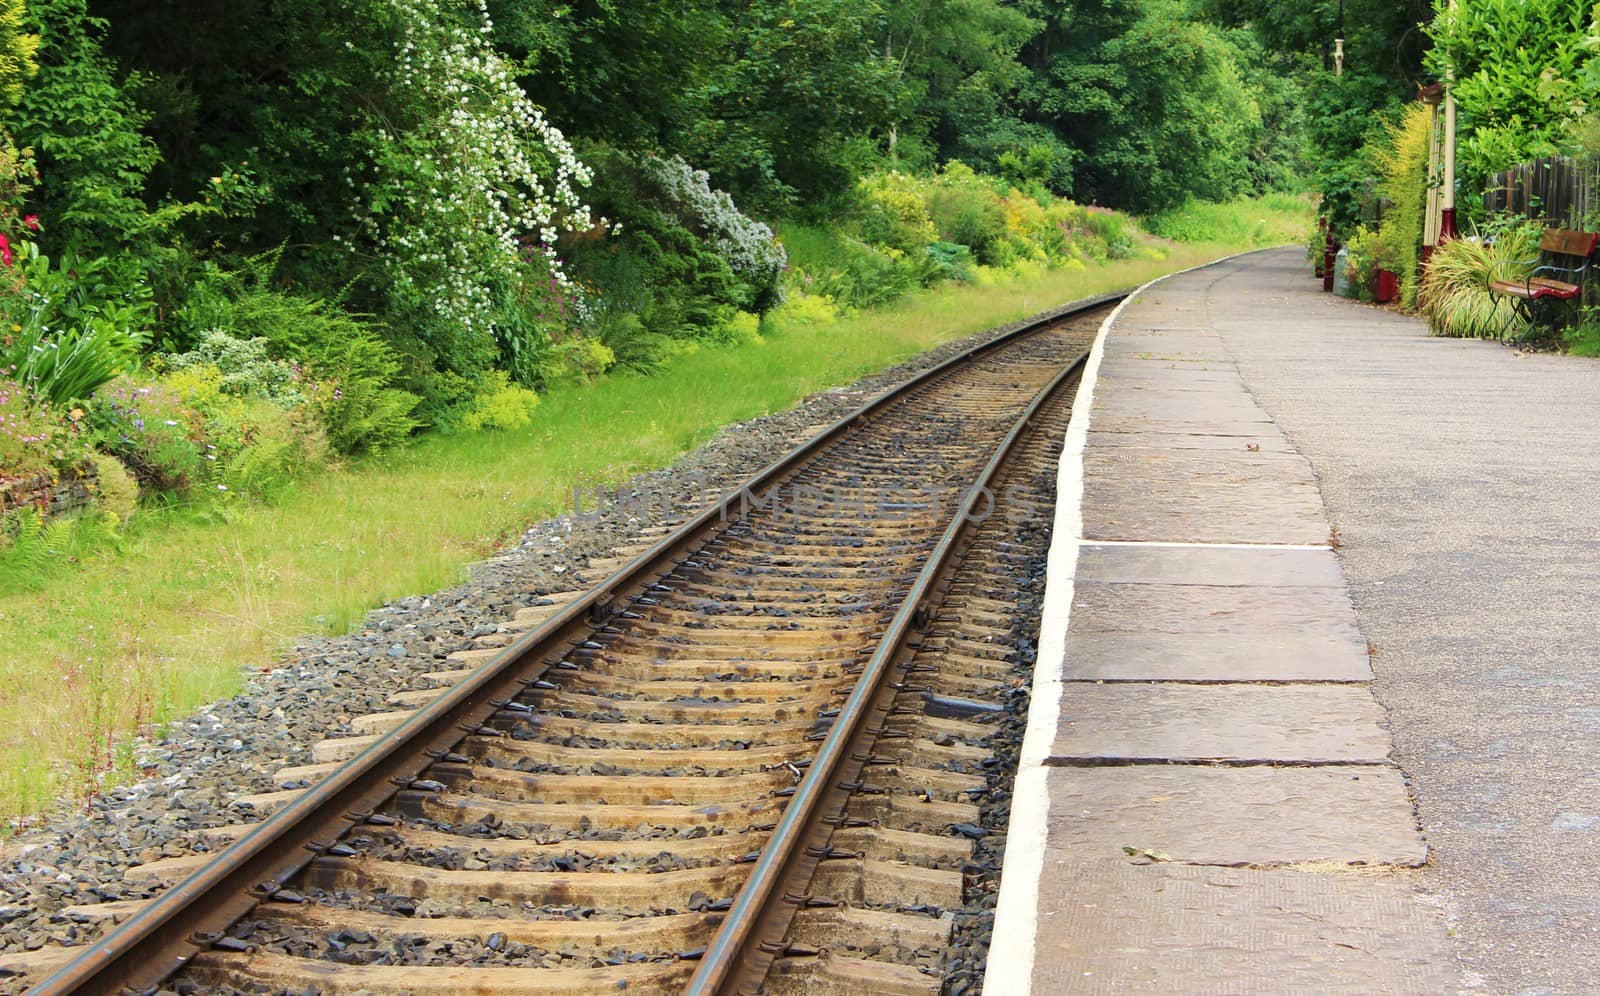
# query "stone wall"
(49, 494)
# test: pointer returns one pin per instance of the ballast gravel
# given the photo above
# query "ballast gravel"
(54, 870)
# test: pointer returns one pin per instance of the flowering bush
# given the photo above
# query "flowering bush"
(747, 245)
(245, 368)
(155, 435)
(34, 437)
(461, 167)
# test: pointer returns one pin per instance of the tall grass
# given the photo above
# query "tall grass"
(193, 602)
(1271, 220)
(1455, 287)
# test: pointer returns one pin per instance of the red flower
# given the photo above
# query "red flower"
(5, 250)
(32, 221)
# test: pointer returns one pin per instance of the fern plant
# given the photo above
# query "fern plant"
(33, 548)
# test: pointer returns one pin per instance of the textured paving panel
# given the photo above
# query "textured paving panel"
(1215, 657)
(1138, 377)
(1306, 724)
(1194, 426)
(1203, 815)
(1235, 468)
(1167, 347)
(1163, 608)
(1228, 404)
(1267, 437)
(1209, 566)
(1114, 928)
(1204, 513)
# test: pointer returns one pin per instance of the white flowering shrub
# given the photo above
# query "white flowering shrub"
(467, 189)
(747, 245)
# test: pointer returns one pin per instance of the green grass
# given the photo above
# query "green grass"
(193, 602)
(1276, 219)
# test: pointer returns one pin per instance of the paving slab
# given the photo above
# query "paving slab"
(1270, 443)
(1206, 815)
(1229, 566)
(1247, 724)
(1115, 927)
(1210, 658)
(1300, 610)
(1195, 426)
(1204, 513)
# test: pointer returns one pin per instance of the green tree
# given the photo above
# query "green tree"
(1154, 99)
(93, 159)
(1525, 72)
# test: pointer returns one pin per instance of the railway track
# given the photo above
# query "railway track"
(747, 760)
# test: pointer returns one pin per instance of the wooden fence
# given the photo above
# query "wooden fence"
(1560, 192)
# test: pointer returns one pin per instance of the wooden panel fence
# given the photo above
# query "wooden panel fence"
(1561, 192)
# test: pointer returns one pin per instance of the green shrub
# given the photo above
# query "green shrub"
(250, 445)
(1583, 338)
(148, 428)
(500, 404)
(740, 329)
(62, 345)
(685, 258)
(1401, 161)
(246, 367)
(951, 260)
(632, 346)
(32, 549)
(893, 214)
(966, 209)
(116, 492)
(1368, 251)
(807, 311)
(349, 374)
(1455, 288)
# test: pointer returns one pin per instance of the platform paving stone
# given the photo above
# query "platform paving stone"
(1115, 927)
(1302, 610)
(1236, 566)
(1222, 815)
(1215, 657)
(1203, 515)
(1258, 724)
(1270, 443)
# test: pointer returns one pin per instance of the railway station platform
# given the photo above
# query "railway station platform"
(1211, 798)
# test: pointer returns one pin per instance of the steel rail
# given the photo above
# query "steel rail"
(749, 938)
(188, 918)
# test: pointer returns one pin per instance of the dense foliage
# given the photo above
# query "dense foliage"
(318, 226)
(1526, 75)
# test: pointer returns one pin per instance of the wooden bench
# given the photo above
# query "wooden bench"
(1554, 288)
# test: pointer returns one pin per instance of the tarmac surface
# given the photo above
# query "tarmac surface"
(1224, 759)
(1464, 480)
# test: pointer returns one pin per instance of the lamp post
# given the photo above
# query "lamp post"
(1338, 44)
(1329, 247)
(1447, 216)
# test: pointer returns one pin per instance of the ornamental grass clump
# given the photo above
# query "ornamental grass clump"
(1402, 164)
(1455, 291)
